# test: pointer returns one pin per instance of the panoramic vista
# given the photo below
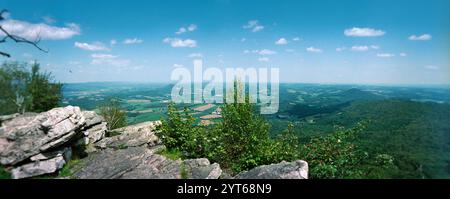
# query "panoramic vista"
(225, 89)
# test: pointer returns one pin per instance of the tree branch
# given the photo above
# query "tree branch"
(16, 38)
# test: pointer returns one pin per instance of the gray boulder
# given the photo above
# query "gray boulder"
(27, 135)
(132, 136)
(284, 170)
(38, 168)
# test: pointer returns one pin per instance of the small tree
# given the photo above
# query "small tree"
(24, 90)
(113, 114)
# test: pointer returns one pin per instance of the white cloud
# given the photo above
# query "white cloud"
(179, 43)
(363, 32)
(113, 42)
(190, 28)
(195, 55)
(296, 39)
(96, 46)
(42, 31)
(432, 67)
(314, 50)
(403, 54)
(103, 56)
(375, 47)
(340, 49)
(266, 52)
(246, 51)
(253, 25)
(263, 59)
(109, 60)
(281, 41)
(359, 48)
(385, 55)
(177, 65)
(423, 37)
(133, 41)
(181, 31)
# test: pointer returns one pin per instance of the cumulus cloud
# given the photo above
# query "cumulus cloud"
(266, 52)
(181, 31)
(385, 55)
(424, 37)
(263, 59)
(34, 31)
(403, 54)
(375, 47)
(363, 32)
(253, 25)
(177, 65)
(179, 43)
(103, 56)
(195, 55)
(281, 41)
(190, 28)
(109, 60)
(296, 39)
(96, 46)
(314, 50)
(133, 41)
(359, 48)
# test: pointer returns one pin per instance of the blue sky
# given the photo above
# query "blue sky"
(365, 42)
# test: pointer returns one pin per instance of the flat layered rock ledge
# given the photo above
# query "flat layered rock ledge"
(67, 142)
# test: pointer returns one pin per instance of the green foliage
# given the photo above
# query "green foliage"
(172, 154)
(22, 90)
(239, 142)
(66, 171)
(44, 94)
(335, 156)
(113, 114)
(179, 132)
(4, 174)
(183, 171)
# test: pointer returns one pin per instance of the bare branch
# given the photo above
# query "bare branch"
(16, 38)
(5, 54)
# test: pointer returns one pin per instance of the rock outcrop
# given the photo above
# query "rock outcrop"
(284, 170)
(142, 134)
(142, 162)
(36, 144)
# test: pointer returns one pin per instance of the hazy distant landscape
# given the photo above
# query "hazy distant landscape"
(408, 122)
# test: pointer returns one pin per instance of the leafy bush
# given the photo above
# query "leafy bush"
(4, 174)
(23, 90)
(335, 156)
(113, 114)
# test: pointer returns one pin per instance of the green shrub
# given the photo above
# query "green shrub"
(113, 114)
